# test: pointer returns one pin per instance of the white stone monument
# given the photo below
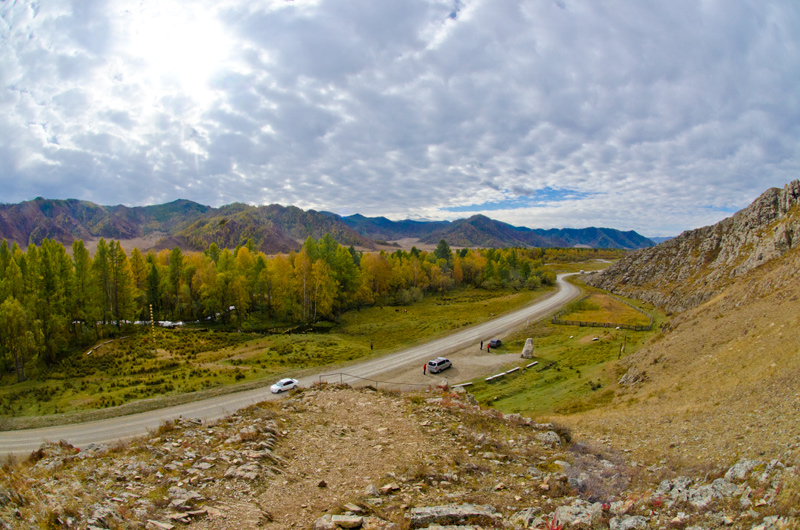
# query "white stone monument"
(527, 351)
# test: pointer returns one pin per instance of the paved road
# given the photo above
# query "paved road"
(110, 430)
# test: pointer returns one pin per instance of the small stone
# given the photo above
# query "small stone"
(347, 521)
(324, 523)
(388, 488)
(322, 484)
(372, 491)
(159, 525)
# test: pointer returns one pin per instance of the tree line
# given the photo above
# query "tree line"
(52, 301)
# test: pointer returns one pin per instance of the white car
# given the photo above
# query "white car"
(438, 364)
(283, 385)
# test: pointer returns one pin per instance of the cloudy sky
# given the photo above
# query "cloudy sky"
(654, 116)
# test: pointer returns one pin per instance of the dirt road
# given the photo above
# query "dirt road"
(400, 367)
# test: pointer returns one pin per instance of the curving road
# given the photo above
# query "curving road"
(110, 430)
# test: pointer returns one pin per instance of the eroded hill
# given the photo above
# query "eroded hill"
(692, 268)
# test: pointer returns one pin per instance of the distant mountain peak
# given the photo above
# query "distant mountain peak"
(273, 227)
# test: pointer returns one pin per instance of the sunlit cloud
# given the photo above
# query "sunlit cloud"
(655, 117)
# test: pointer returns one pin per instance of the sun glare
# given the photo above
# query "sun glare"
(178, 48)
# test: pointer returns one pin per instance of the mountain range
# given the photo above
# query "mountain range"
(274, 228)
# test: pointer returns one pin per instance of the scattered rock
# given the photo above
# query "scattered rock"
(739, 471)
(388, 488)
(372, 491)
(527, 518)
(549, 439)
(635, 522)
(453, 514)
(347, 521)
(580, 514)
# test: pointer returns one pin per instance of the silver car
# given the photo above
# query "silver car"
(438, 364)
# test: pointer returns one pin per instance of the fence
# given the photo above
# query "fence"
(557, 320)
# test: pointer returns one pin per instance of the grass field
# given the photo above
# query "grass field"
(604, 308)
(131, 369)
(576, 366)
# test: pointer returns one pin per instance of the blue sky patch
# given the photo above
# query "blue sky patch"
(539, 198)
(723, 209)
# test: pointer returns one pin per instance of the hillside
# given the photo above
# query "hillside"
(388, 230)
(482, 231)
(692, 268)
(720, 383)
(597, 237)
(333, 457)
(273, 228)
(181, 223)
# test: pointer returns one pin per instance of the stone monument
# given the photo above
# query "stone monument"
(527, 351)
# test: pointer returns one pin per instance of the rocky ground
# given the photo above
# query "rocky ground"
(334, 457)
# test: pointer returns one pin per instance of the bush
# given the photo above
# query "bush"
(533, 283)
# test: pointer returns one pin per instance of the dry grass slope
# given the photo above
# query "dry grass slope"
(720, 383)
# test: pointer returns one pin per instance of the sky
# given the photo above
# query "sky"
(638, 115)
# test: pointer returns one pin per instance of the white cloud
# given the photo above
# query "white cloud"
(664, 116)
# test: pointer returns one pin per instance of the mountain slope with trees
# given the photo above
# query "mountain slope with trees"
(482, 231)
(272, 228)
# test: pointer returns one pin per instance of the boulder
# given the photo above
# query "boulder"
(324, 523)
(527, 350)
(739, 471)
(580, 514)
(549, 438)
(702, 496)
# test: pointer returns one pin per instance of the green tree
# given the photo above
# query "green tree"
(153, 296)
(213, 252)
(50, 298)
(139, 275)
(122, 290)
(20, 336)
(101, 267)
(82, 302)
(443, 252)
(174, 275)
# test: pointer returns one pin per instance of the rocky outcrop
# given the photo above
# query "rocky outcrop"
(692, 268)
(471, 468)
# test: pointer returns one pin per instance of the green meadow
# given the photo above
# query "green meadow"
(576, 366)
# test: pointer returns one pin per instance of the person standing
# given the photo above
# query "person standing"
(481, 345)
(370, 345)
(424, 368)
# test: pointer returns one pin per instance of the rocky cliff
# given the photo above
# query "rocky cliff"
(692, 268)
